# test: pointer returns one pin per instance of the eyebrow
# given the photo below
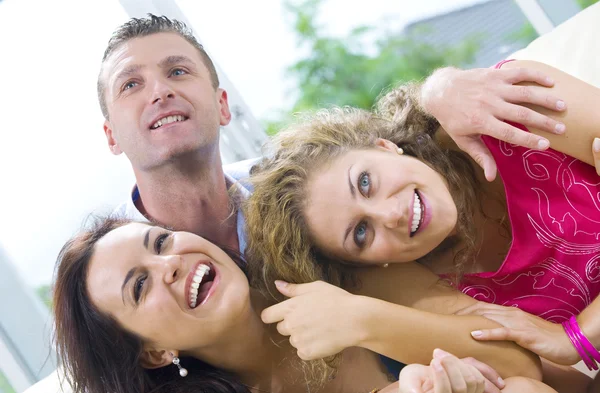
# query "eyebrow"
(128, 71)
(147, 237)
(170, 61)
(353, 193)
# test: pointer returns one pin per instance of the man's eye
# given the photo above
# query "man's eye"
(129, 85)
(137, 289)
(159, 242)
(360, 234)
(178, 72)
(364, 183)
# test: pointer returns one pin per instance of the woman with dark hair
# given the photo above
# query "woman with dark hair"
(142, 309)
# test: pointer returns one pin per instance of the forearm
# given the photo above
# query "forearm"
(523, 384)
(589, 322)
(410, 336)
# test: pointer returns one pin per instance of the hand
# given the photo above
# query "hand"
(476, 102)
(448, 374)
(596, 153)
(321, 319)
(541, 337)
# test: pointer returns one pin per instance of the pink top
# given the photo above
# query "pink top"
(553, 266)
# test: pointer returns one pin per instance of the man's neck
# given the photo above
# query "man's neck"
(190, 197)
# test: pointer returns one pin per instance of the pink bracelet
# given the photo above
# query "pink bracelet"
(587, 345)
(590, 363)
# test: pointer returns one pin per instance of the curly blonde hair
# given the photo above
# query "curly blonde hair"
(280, 244)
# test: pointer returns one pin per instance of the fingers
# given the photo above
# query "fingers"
(463, 377)
(291, 290)
(517, 75)
(535, 95)
(491, 375)
(511, 134)
(482, 156)
(275, 313)
(596, 152)
(532, 119)
(441, 382)
(496, 334)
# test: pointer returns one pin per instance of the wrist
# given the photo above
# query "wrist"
(432, 91)
(365, 312)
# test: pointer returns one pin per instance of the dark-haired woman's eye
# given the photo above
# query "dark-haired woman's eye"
(360, 234)
(137, 288)
(160, 241)
(364, 184)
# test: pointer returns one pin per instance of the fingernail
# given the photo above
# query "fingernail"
(560, 128)
(543, 144)
(549, 80)
(440, 353)
(560, 105)
(437, 365)
(596, 145)
(476, 333)
(280, 284)
(501, 382)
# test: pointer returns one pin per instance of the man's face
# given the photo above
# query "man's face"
(161, 102)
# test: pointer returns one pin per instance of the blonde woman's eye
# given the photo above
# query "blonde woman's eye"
(364, 183)
(360, 234)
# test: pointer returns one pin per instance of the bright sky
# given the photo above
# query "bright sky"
(56, 166)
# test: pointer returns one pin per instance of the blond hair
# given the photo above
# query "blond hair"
(280, 245)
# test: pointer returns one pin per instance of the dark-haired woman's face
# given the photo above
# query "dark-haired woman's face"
(377, 206)
(174, 289)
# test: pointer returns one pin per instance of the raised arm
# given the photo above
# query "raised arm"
(469, 103)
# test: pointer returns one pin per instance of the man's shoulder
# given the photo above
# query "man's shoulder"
(240, 171)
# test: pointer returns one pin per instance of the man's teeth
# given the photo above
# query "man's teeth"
(196, 281)
(167, 120)
(416, 214)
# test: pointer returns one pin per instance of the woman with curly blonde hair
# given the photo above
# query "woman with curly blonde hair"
(347, 187)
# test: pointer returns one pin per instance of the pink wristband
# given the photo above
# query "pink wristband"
(587, 345)
(591, 364)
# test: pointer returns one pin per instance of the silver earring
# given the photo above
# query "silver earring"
(400, 151)
(182, 371)
(386, 265)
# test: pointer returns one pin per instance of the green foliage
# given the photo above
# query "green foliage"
(4, 385)
(353, 70)
(586, 3)
(45, 293)
(524, 35)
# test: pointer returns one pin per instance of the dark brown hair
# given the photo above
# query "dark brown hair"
(100, 356)
(142, 27)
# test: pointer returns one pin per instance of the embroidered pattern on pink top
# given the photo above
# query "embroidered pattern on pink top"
(553, 266)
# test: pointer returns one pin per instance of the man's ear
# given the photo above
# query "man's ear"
(112, 143)
(223, 107)
(386, 145)
(152, 358)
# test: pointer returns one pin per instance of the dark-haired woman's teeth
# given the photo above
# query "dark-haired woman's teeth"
(167, 120)
(417, 211)
(196, 281)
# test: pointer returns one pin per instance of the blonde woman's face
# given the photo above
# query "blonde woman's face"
(376, 206)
